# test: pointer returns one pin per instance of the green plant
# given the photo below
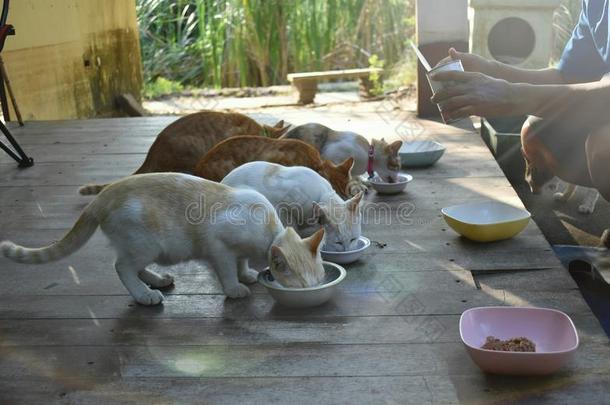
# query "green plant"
(161, 87)
(375, 77)
(403, 73)
(168, 40)
(225, 43)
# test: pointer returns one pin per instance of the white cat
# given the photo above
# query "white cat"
(337, 146)
(589, 201)
(167, 218)
(305, 200)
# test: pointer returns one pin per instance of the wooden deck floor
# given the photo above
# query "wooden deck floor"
(69, 332)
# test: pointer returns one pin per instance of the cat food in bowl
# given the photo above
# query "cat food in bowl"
(348, 256)
(550, 333)
(486, 221)
(420, 153)
(391, 188)
(518, 344)
(304, 297)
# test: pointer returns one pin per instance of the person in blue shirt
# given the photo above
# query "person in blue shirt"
(568, 132)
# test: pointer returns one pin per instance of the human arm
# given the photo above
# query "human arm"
(584, 104)
(499, 70)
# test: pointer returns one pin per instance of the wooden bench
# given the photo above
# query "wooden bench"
(307, 83)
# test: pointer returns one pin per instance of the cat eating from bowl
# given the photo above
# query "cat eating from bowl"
(305, 200)
(168, 218)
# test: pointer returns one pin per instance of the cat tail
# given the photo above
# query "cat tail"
(80, 233)
(91, 189)
(94, 189)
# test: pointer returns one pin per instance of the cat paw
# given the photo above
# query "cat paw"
(239, 291)
(357, 187)
(249, 277)
(586, 209)
(150, 297)
(155, 280)
(165, 281)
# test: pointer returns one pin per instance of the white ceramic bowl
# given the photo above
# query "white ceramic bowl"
(486, 221)
(391, 188)
(304, 297)
(348, 256)
(420, 153)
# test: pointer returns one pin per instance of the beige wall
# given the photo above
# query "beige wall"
(70, 58)
(441, 21)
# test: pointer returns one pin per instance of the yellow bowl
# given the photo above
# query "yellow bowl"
(486, 221)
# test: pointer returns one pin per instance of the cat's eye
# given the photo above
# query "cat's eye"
(339, 243)
(352, 240)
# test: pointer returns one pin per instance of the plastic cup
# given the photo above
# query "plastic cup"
(454, 65)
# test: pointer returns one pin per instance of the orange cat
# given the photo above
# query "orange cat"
(182, 143)
(236, 151)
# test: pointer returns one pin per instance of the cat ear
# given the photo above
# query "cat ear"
(278, 260)
(354, 202)
(347, 164)
(319, 215)
(277, 130)
(395, 146)
(281, 131)
(315, 241)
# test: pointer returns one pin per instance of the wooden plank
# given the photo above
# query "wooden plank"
(214, 331)
(333, 74)
(415, 390)
(262, 361)
(421, 195)
(113, 166)
(194, 278)
(420, 223)
(73, 149)
(97, 259)
(325, 390)
(262, 306)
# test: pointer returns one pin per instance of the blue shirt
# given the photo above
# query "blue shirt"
(586, 57)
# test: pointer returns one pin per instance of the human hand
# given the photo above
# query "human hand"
(473, 93)
(470, 62)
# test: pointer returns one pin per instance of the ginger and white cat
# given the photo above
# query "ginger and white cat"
(337, 146)
(182, 143)
(305, 200)
(234, 152)
(167, 218)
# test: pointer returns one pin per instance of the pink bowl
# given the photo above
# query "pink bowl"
(552, 331)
